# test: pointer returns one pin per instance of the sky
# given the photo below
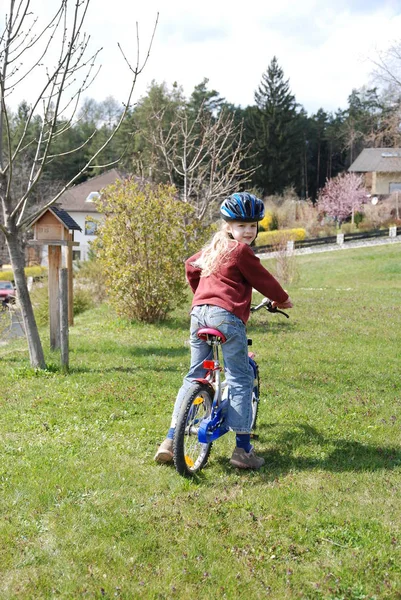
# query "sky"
(325, 48)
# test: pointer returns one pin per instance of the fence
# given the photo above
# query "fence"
(340, 239)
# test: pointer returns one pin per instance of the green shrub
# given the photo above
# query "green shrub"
(366, 226)
(82, 300)
(270, 238)
(40, 301)
(274, 224)
(144, 264)
(348, 228)
(90, 275)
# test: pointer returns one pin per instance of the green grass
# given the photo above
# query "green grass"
(86, 513)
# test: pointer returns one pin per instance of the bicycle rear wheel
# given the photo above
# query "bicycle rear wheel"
(190, 455)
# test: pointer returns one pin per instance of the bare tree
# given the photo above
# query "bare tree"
(351, 137)
(388, 131)
(387, 73)
(387, 66)
(202, 154)
(27, 51)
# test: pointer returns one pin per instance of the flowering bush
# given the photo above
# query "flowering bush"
(265, 223)
(342, 196)
(269, 238)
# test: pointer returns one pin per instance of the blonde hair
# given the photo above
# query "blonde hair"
(216, 251)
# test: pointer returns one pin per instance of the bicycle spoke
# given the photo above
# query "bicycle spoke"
(190, 455)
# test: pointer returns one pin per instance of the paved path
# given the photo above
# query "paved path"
(333, 247)
(15, 331)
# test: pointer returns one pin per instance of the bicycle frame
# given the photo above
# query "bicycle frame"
(213, 427)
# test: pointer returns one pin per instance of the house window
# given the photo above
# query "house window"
(395, 187)
(91, 225)
(76, 255)
(92, 197)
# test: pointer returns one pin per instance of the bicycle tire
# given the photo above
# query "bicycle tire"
(190, 455)
(255, 399)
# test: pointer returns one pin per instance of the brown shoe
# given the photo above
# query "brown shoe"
(246, 460)
(165, 452)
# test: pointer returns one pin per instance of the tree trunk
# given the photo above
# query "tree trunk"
(31, 330)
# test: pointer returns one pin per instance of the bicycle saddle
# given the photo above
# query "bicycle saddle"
(205, 332)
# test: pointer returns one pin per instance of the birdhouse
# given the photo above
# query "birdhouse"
(53, 226)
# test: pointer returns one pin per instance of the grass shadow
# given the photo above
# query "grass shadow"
(326, 453)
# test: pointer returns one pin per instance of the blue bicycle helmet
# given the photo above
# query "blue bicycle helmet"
(242, 206)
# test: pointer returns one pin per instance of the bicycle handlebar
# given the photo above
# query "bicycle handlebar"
(268, 305)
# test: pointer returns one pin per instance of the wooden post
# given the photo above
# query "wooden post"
(63, 294)
(70, 287)
(54, 309)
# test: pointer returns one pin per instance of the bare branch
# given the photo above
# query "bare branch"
(388, 66)
(24, 222)
(203, 151)
(138, 70)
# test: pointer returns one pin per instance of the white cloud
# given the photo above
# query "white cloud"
(323, 47)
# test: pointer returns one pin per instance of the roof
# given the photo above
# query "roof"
(74, 199)
(382, 160)
(62, 216)
(65, 218)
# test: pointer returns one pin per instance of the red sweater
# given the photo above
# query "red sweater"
(231, 286)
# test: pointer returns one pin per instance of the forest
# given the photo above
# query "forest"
(272, 145)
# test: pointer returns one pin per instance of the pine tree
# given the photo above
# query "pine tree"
(201, 97)
(278, 133)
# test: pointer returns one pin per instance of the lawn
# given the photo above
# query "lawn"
(86, 513)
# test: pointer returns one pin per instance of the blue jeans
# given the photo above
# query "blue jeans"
(238, 371)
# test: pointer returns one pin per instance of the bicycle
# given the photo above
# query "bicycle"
(202, 417)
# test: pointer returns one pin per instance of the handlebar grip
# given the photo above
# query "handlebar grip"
(268, 305)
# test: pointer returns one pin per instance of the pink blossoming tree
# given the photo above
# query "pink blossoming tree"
(342, 196)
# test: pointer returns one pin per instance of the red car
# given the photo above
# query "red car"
(7, 290)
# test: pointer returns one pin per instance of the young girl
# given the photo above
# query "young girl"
(221, 277)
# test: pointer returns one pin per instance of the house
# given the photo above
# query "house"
(381, 170)
(78, 201)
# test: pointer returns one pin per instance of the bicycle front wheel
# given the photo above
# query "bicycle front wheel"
(190, 455)
(255, 398)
